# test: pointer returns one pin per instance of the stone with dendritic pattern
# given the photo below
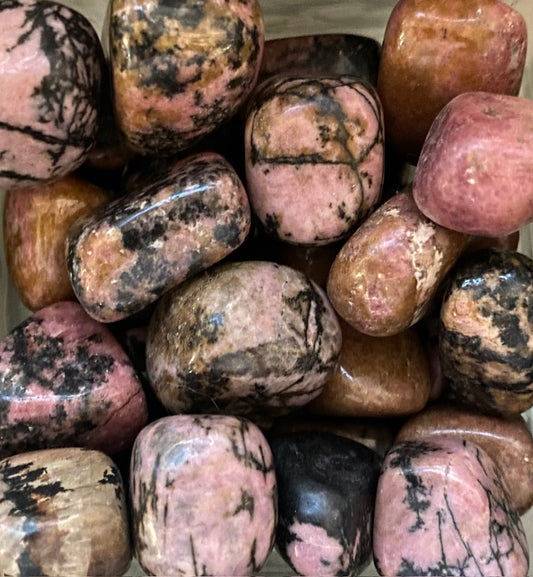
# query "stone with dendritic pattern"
(443, 509)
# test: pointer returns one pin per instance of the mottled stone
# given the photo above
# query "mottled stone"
(62, 512)
(50, 81)
(36, 222)
(507, 441)
(486, 333)
(204, 499)
(434, 50)
(442, 509)
(326, 486)
(180, 70)
(314, 156)
(64, 380)
(376, 377)
(386, 275)
(173, 223)
(241, 338)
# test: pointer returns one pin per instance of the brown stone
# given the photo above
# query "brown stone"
(507, 440)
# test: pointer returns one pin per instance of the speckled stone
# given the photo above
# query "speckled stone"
(486, 333)
(62, 512)
(326, 486)
(180, 70)
(204, 497)
(241, 338)
(314, 156)
(64, 380)
(442, 509)
(50, 81)
(173, 223)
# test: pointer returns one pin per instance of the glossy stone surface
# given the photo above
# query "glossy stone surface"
(507, 441)
(240, 338)
(486, 334)
(433, 51)
(173, 223)
(62, 512)
(442, 509)
(314, 156)
(36, 222)
(204, 498)
(180, 70)
(385, 276)
(64, 380)
(326, 486)
(376, 377)
(50, 81)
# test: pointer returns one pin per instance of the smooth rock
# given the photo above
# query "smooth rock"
(64, 380)
(36, 222)
(506, 440)
(240, 338)
(50, 80)
(204, 498)
(62, 512)
(486, 332)
(172, 224)
(433, 51)
(180, 70)
(314, 156)
(442, 509)
(326, 486)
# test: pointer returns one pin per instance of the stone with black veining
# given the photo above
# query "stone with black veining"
(442, 509)
(62, 512)
(486, 331)
(50, 82)
(326, 485)
(173, 223)
(204, 497)
(65, 380)
(179, 70)
(314, 156)
(242, 338)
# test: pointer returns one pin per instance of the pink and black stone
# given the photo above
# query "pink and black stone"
(50, 85)
(486, 332)
(326, 487)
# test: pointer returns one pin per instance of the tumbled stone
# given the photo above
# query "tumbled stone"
(314, 156)
(242, 338)
(64, 380)
(442, 509)
(486, 333)
(203, 493)
(180, 70)
(326, 486)
(433, 51)
(173, 223)
(50, 81)
(506, 440)
(62, 512)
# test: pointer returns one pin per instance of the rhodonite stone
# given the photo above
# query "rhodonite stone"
(326, 486)
(486, 331)
(36, 222)
(64, 380)
(50, 81)
(173, 223)
(180, 70)
(62, 512)
(507, 440)
(314, 156)
(442, 509)
(433, 51)
(203, 494)
(240, 338)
